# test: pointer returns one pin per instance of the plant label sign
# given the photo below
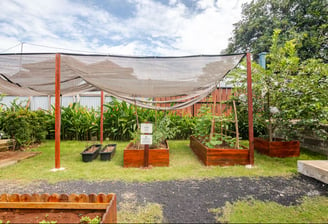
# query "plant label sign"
(146, 128)
(146, 139)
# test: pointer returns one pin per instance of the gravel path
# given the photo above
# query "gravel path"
(188, 200)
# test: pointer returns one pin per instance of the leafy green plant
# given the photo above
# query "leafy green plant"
(119, 120)
(78, 122)
(47, 222)
(3, 222)
(290, 96)
(25, 126)
(203, 126)
(87, 219)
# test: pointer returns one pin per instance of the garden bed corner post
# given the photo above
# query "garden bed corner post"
(57, 112)
(250, 109)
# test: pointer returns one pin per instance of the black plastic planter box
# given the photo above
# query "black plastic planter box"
(107, 155)
(89, 156)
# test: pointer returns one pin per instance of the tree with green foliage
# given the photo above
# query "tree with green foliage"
(305, 20)
(290, 95)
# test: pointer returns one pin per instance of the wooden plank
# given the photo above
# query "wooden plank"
(4, 197)
(14, 198)
(101, 198)
(159, 157)
(110, 215)
(63, 198)
(92, 198)
(54, 198)
(83, 198)
(73, 198)
(45, 197)
(25, 198)
(36, 197)
(53, 205)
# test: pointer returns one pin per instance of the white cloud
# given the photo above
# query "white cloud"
(152, 29)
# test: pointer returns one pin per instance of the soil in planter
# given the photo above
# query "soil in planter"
(91, 149)
(38, 215)
(142, 147)
(108, 149)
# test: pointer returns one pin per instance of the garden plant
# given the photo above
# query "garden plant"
(290, 96)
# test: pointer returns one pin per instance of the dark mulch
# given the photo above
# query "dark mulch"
(189, 200)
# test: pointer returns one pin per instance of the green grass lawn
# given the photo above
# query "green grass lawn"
(183, 165)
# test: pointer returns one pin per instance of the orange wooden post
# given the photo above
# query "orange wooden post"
(102, 117)
(250, 110)
(57, 112)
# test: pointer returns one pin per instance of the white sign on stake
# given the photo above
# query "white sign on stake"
(147, 128)
(146, 139)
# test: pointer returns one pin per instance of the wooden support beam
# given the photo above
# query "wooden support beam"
(102, 117)
(57, 112)
(250, 110)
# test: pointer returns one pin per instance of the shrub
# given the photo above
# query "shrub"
(25, 126)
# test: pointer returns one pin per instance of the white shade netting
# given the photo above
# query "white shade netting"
(137, 80)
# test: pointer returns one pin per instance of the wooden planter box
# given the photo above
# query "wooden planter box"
(135, 157)
(217, 156)
(277, 148)
(107, 155)
(89, 156)
(63, 208)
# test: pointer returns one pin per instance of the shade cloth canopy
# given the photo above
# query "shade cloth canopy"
(134, 79)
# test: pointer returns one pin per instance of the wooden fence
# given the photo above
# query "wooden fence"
(220, 94)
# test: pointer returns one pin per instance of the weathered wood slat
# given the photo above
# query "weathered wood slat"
(4, 197)
(101, 198)
(73, 198)
(92, 198)
(63, 198)
(53, 205)
(45, 197)
(25, 198)
(54, 198)
(83, 198)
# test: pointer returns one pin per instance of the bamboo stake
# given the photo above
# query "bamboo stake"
(136, 108)
(213, 119)
(236, 124)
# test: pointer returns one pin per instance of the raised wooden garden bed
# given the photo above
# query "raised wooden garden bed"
(217, 156)
(277, 148)
(91, 153)
(107, 152)
(135, 157)
(62, 208)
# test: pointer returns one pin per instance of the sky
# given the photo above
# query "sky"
(118, 27)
